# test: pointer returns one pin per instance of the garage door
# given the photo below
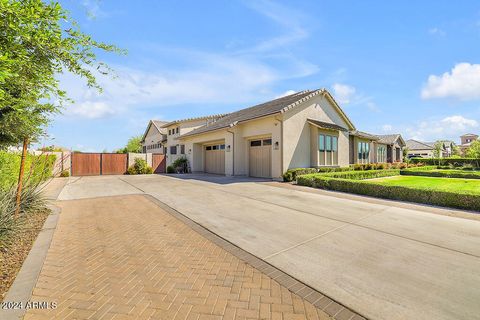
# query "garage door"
(260, 158)
(215, 159)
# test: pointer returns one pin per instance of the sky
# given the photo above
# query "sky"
(408, 67)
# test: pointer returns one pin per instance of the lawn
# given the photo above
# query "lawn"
(466, 186)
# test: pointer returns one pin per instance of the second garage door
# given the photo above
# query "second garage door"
(260, 158)
(215, 159)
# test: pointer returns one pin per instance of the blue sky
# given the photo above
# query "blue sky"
(411, 68)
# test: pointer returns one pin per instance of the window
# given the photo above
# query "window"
(363, 152)
(255, 143)
(182, 149)
(177, 130)
(321, 142)
(173, 150)
(169, 132)
(144, 149)
(328, 150)
(222, 147)
(382, 154)
(267, 142)
(208, 148)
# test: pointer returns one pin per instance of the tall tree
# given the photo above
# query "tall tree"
(134, 145)
(38, 40)
(474, 150)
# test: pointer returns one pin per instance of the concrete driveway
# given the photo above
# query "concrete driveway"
(381, 260)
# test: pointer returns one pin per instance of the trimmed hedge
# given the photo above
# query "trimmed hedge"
(457, 162)
(291, 174)
(37, 168)
(427, 196)
(361, 175)
(433, 171)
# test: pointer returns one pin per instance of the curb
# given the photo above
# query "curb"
(22, 287)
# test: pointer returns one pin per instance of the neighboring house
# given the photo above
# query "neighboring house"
(371, 148)
(466, 140)
(154, 137)
(420, 149)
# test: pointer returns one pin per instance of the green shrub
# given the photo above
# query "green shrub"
(433, 197)
(65, 173)
(170, 169)
(37, 168)
(140, 167)
(291, 174)
(458, 162)
(180, 165)
(432, 171)
(358, 175)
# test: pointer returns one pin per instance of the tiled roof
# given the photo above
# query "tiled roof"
(364, 135)
(326, 125)
(418, 145)
(388, 138)
(264, 109)
(215, 116)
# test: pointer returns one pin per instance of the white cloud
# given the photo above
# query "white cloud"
(92, 110)
(343, 93)
(462, 82)
(437, 32)
(450, 127)
(387, 128)
(286, 93)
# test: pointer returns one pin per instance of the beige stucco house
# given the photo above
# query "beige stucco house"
(305, 129)
(154, 137)
(370, 148)
(466, 140)
(420, 149)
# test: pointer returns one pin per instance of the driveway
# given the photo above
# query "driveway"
(383, 261)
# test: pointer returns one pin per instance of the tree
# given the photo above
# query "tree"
(39, 40)
(437, 149)
(134, 145)
(474, 150)
(456, 151)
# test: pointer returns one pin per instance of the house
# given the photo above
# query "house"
(154, 137)
(419, 149)
(466, 140)
(304, 129)
(372, 148)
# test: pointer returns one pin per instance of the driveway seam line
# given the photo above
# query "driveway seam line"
(338, 220)
(258, 263)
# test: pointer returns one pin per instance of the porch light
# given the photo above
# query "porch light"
(275, 146)
(228, 148)
(189, 151)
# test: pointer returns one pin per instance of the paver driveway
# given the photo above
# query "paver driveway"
(125, 258)
(383, 261)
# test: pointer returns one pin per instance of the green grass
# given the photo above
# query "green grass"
(465, 186)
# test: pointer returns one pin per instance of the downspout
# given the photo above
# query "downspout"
(281, 143)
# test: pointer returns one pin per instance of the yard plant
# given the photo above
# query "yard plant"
(140, 167)
(441, 172)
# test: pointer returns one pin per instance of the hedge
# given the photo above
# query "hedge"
(10, 166)
(426, 196)
(435, 172)
(291, 174)
(457, 162)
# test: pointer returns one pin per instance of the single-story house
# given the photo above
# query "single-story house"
(304, 129)
(372, 148)
(420, 149)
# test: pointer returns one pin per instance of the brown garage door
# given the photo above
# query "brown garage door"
(85, 164)
(158, 161)
(215, 159)
(114, 163)
(260, 158)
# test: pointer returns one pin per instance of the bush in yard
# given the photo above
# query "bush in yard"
(65, 173)
(291, 174)
(170, 169)
(433, 197)
(37, 168)
(180, 165)
(458, 162)
(432, 171)
(140, 167)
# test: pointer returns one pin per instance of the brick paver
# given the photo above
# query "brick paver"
(127, 258)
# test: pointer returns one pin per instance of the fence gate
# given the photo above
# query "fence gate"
(94, 164)
(158, 163)
(86, 164)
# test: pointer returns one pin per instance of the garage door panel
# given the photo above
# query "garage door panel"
(215, 159)
(260, 158)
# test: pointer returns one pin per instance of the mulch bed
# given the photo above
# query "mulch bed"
(15, 250)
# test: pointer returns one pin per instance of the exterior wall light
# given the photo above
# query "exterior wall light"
(189, 151)
(275, 146)
(228, 148)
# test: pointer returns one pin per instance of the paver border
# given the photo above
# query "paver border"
(333, 308)
(26, 279)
